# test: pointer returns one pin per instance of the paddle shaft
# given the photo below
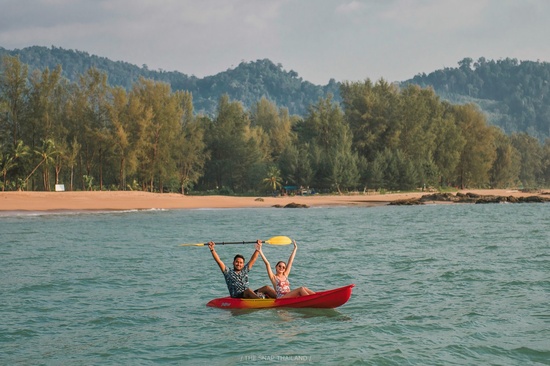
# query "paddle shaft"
(220, 243)
(276, 240)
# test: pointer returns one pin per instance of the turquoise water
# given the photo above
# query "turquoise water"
(435, 285)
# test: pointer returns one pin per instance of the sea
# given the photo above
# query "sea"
(442, 284)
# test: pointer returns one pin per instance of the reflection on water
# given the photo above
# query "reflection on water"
(290, 314)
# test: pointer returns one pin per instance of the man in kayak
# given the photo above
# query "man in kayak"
(236, 278)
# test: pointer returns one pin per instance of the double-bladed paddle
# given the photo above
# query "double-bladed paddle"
(276, 240)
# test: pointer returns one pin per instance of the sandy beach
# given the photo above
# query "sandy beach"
(129, 200)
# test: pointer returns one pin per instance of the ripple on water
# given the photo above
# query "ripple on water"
(439, 284)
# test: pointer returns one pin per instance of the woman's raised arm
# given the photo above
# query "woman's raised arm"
(267, 265)
(291, 259)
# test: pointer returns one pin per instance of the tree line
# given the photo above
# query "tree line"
(512, 94)
(89, 135)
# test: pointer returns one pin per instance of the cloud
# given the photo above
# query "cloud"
(350, 7)
(319, 39)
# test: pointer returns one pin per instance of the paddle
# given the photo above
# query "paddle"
(276, 240)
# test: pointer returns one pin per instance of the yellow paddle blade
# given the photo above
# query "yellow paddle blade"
(279, 240)
(193, 245)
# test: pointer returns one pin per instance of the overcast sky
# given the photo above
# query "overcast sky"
(319, 39)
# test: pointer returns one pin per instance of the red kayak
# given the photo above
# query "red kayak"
(323, 299)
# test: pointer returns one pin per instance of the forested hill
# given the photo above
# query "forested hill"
(247, 83)
(514, 95)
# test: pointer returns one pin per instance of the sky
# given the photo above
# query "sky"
(345, 40)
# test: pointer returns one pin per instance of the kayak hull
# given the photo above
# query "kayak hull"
(322, 300)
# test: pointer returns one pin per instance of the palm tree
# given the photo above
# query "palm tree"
(9, 161)
(6, 164)
(273, 179)
(47, 153)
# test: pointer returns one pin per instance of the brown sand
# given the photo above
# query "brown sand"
(125, 200)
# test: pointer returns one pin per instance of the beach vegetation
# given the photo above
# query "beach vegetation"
(88, 135)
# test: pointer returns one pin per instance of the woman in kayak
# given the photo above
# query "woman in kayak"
(280, 279)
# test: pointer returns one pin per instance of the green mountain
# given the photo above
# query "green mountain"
(247, 83)
(515, 95)
(512, 94)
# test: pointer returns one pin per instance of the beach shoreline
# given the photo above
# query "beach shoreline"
(137, 200)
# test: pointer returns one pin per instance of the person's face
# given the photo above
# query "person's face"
(238, 264)
(280, 267)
